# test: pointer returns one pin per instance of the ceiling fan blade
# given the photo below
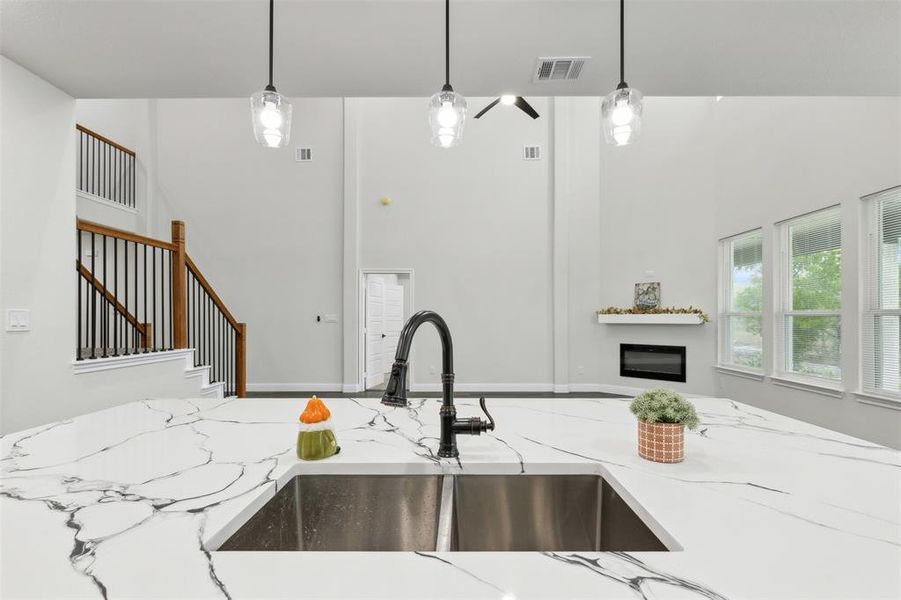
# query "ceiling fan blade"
(526, 107)
(487, 108)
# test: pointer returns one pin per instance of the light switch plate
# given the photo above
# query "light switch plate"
(18, 319)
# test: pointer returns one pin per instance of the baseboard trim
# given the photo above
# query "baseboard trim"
(550, 388)
(486, 387)
(294, 387)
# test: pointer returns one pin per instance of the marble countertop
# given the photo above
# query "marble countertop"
(128, 502)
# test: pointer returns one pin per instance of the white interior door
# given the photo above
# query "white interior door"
(375, 336)
(392, 323)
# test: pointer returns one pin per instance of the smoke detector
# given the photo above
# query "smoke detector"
(559, 68)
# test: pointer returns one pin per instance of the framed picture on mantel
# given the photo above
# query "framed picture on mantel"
(647, 294)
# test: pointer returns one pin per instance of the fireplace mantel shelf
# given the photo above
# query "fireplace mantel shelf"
(651, 319)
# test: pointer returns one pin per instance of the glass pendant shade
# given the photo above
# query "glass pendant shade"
(621, 116)
(447, 115)
(271, 115)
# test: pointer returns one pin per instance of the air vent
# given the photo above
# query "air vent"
(303, 154)
(531, 152)
(559, 68)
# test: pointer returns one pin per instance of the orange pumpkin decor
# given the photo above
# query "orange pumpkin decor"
(315, 412)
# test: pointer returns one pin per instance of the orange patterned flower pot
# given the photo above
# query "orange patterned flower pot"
(661, 442)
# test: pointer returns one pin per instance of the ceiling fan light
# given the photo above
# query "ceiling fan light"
(508, 99)
(447, 115)
(621, 116)
(271, 116)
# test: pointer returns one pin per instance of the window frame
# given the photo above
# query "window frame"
(725, 312)
(782, 307)
(870, 305)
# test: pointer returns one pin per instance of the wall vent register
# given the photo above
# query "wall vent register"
(303, 154)
(559, 68)
(666, 363)
(531, 152)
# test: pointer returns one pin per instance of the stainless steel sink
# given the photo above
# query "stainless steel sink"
(346, 512)
(506, 513)
(510, 513)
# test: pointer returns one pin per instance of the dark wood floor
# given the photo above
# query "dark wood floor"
(378, 394)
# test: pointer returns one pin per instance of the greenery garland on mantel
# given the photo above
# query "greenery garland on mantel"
(659, 310)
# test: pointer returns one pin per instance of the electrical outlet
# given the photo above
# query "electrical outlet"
(18, 319)
(580, 370)
(431, 369)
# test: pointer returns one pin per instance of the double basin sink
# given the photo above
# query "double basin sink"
(444, 513)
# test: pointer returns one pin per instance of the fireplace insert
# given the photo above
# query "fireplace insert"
(666, 363)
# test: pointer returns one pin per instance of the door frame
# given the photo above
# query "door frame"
(361, 311)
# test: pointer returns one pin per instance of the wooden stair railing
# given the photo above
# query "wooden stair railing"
(143, 329)
(160, 298)
(105, 168)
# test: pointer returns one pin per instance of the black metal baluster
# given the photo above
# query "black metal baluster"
(103, 322)
(146, 320)
(93, 302)
(127, 310)
(153, 295)
(196, 322)
(78, 278)
(163, 297)
(116, 296)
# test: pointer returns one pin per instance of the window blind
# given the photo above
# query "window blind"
(881, 319)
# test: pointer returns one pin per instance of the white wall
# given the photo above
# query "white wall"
(37, 223)
(473, 223)
(806, 154)
(265, 230)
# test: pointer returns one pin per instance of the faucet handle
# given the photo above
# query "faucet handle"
(490, 425)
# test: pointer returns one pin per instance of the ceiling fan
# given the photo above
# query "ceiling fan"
(509, 100)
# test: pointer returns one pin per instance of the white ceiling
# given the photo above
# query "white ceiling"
(217, 48)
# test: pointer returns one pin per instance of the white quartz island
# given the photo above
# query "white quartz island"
(129, 502)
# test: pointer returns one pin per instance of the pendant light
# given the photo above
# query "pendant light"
(621, 109)
(447, 108)
(269, 110)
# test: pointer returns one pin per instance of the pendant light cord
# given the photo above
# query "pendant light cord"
(447, 42)
(622, 43)
(271, 21)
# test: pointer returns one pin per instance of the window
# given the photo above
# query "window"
(882, 309)
(808, 312)
(741, 321)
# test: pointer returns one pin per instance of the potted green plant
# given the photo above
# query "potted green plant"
(663, 416)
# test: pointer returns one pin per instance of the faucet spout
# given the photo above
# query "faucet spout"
(396, 390)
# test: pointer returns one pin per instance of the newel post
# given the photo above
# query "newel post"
(179, 287)
(241, 361)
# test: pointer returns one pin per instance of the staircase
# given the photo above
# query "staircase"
(141, 296)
